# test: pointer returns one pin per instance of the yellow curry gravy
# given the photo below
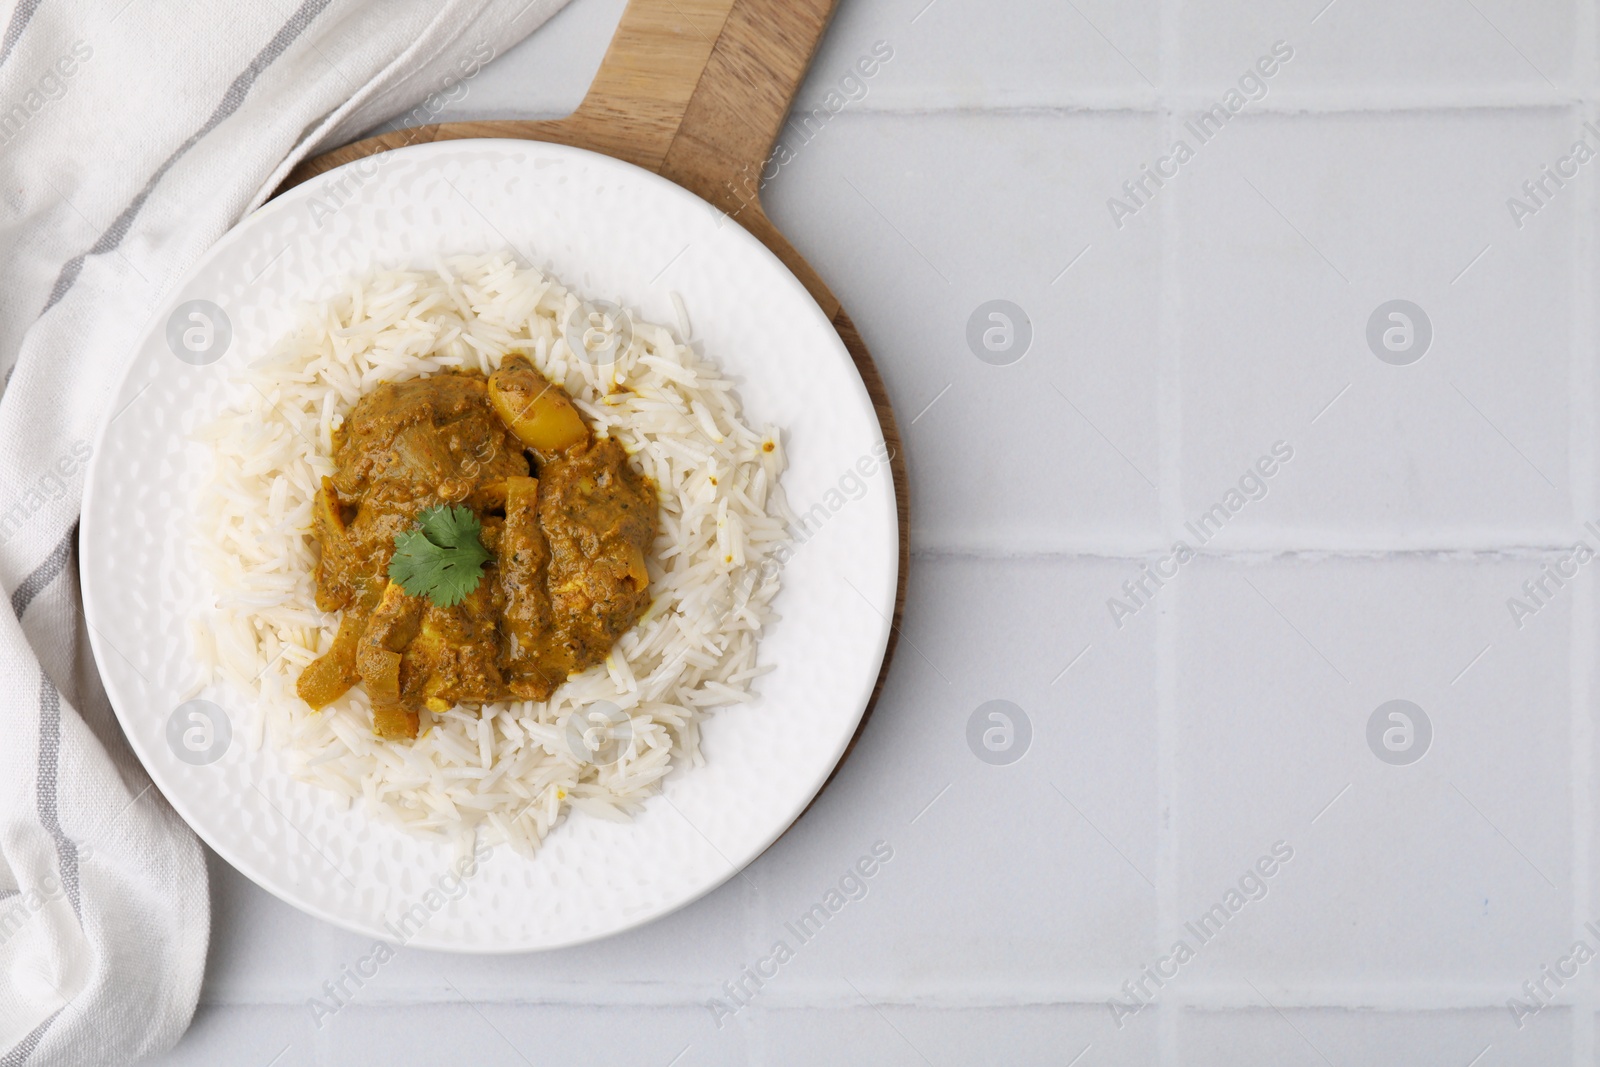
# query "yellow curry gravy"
(565, 519)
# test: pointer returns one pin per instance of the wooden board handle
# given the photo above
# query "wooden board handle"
(739, 106)
(698, 90)
(695, 90)
(717, 75)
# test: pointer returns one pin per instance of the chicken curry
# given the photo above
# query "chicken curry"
(481, 542)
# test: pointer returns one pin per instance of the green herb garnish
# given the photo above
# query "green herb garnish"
(442, 557)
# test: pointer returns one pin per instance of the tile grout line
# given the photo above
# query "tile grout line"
(1582, 763)
(1488, 997)
(1318, 102)
(1581, 482)
(322, 953)
(1507, 552)
(746, 1030)
(1169, 424)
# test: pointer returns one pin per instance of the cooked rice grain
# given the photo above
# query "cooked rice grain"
(510, 772)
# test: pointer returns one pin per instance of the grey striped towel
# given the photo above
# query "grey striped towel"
(133, 134)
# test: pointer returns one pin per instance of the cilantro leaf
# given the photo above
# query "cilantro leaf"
(442, 557)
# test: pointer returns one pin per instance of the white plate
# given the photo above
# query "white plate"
(611, 231)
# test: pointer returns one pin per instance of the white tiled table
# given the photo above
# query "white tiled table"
(1169, 754)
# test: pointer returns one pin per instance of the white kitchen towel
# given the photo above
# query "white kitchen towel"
(133, 134)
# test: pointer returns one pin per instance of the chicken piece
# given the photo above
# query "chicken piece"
(454, 658)
(523, 563)
(334, 565)
(389, 632)
(436, 437)
(416, 656)
(599, 517)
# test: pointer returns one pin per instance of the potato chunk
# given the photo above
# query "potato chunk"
(537, 411)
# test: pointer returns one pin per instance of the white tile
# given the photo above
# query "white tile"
(489, 1034)
(1316, 1037)
(1453, 869)
(243, 1036)
(892, 1035)
(1000, 54)
(1384, 47)
(544, 76)
(1293, 233)
(1222, 317)
(681, 955)
(261, 949)
(421, 1035)
(905, 219)
(997, 880)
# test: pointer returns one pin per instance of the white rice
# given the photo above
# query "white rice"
(509, 772)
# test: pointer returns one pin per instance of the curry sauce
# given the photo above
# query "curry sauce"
(565, 520)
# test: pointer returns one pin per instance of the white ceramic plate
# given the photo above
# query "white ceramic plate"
(611, 231)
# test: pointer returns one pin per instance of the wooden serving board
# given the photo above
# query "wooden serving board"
(697, 91)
